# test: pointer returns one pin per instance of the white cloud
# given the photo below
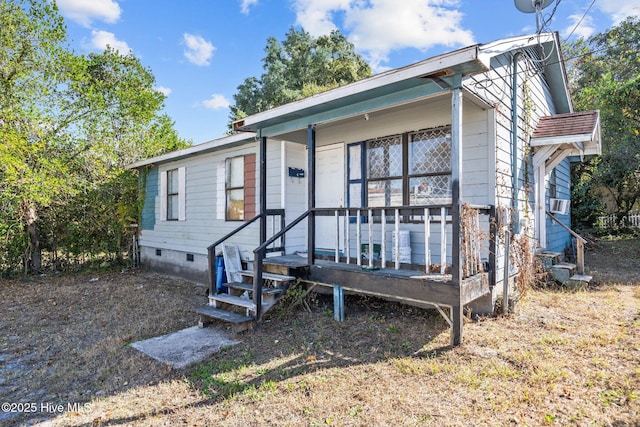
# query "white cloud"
(101, 39)
(246, 4)
(164, 90)
(619, 10)
(216, 102)
(378, 27)
(316, 16)
(198, 51)
(84, 12)
(584, 29)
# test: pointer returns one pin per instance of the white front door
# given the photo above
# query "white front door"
(329, 194)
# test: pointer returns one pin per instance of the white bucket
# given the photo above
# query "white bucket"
(404, 246)
(405, 239)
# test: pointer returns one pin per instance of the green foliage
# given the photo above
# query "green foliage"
(299, 67)
(68, 125)
(605, 75)
(586, 203)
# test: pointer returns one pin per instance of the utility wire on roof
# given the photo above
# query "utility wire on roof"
(580, 21)
(547, 21)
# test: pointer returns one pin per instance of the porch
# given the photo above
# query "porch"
(404, 254)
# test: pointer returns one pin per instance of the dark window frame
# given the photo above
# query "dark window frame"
(228, 188)
(406, 176)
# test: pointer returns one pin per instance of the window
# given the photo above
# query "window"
(234, 188)
(172, 191)
(355, 175)
(240, 183)
(553, 187)
(409, 169)
(430, 167)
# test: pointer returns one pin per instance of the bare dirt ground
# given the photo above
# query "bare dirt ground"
(566, 358)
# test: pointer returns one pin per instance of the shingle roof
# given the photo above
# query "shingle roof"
(582, 123)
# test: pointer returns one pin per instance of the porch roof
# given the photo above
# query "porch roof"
(425, 78)
(579, 129)
(421, 80)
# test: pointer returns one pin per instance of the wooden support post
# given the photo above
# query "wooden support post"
(580, 256)
(456, 325)
(211, 269)
(338, 303)
(311, 190)
(263, 189)
(457, 198)
(456, 181)
(505, 278)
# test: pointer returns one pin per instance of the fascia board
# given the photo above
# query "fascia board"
(205, 147)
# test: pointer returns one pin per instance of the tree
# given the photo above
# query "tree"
(68, 125)
(605, 75)
(299, 67)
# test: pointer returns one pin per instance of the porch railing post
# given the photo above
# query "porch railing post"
(383, 241)
(347, 232)
(311, 190)
(211, 270)
(427, 237)
(397, 242)
(371, 251)
(358, 239)
(337, 241)
(443, 240)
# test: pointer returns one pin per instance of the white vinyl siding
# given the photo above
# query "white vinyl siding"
(205, 205)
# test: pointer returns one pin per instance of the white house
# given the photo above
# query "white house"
(446, 155)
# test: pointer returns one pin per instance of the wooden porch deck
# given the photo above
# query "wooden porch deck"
(408, 286)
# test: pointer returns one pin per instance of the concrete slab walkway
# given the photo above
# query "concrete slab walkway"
(185, 347)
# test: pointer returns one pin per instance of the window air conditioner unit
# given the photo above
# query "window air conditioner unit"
(559, 206)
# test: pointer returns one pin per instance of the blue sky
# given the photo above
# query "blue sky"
(201, 50)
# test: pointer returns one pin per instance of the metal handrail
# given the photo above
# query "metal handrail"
(258, 258)
(211, 248)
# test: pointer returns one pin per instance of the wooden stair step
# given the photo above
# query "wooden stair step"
(224, 315)
(249, 287)
(233, 300)
(269, 276)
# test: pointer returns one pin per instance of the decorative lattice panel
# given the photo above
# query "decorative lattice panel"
(384, 157)
(430, 151)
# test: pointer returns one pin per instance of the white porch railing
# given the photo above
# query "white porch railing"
(373, 238)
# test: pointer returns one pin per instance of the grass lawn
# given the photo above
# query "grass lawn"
(565, 358)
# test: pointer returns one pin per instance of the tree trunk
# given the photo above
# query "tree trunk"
(34, 255)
